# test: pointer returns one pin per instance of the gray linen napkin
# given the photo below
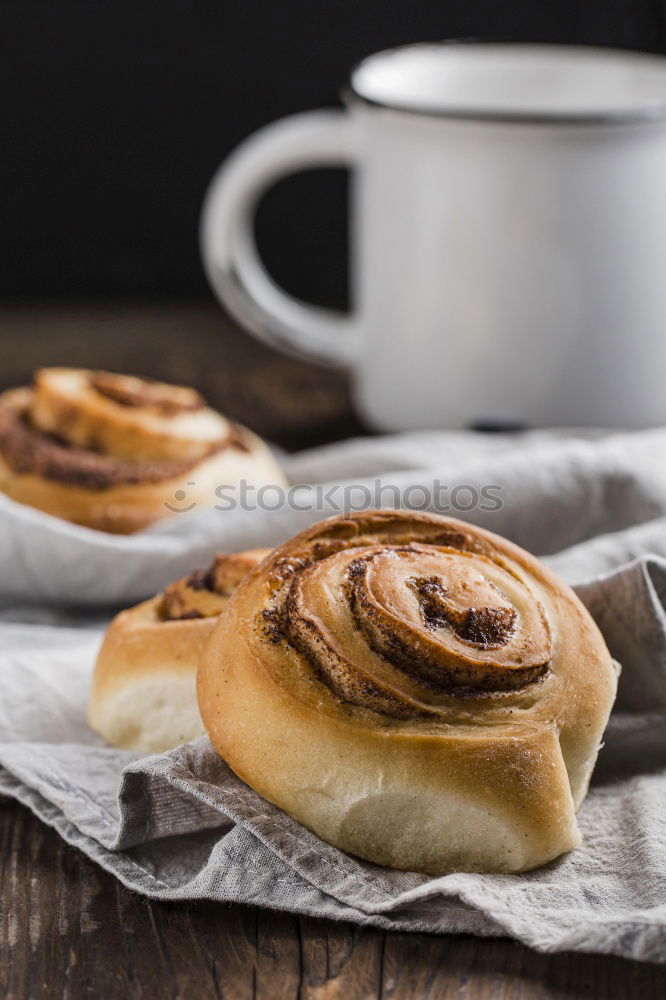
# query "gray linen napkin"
(181, 825)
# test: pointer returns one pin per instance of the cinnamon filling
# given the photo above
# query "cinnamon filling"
(29, 451)
(129, 390)
(205, 592)
(484, 627)
(396, 628)
(192, 597)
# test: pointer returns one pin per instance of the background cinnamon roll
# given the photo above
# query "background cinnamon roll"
(415, 690)
(143, 688)
(117, 452)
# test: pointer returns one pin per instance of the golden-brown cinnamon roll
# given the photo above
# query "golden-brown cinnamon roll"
(143, 689)
(417, 691)
(117, 452)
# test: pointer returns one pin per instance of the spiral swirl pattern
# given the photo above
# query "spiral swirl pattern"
(125, 416)
(400, 628)
(117, 453)
(417, 691)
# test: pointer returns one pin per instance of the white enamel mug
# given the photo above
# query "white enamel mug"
(509, 236)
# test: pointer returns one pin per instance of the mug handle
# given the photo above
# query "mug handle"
(229, 250)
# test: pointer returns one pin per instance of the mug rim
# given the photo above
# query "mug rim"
(639, 114)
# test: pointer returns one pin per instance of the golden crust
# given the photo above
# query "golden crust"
(433, 768)
(142, 690)
(205, 593)
(142, 695)
(124, 509)
(107, 491)
(126, 416)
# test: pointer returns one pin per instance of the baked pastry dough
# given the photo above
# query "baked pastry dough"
(117, 453)
(417, 691)
(143, 689)
(126, 416)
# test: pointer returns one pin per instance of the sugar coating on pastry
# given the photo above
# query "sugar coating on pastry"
(415, 690)
(117, 452)
(143, 693)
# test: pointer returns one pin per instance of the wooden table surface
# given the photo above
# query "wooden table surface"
(68, 929)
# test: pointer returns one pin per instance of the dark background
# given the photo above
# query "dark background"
(115, 113)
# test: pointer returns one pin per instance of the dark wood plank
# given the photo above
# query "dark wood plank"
(67, 929)
(340, 960)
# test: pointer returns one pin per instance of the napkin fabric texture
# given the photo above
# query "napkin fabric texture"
(181, 825)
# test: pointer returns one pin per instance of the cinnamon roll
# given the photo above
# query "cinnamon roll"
(143, 688)
(415, 690)
(117, 452)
